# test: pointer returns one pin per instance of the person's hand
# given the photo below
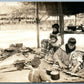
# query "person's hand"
(76, 67)
(30, 67)
(62, 66)
(73, 71)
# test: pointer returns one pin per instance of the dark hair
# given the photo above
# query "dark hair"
(35, 62)
(72, 40)
(57, 27)
(68, 50)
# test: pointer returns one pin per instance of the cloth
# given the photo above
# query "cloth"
(44, 47)
(49, 58)
(37, 76)
(76, 58)
(77, 55)
(62, 56)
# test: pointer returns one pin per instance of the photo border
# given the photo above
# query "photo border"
(41, 1)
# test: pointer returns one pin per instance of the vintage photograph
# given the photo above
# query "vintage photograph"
(41, 42)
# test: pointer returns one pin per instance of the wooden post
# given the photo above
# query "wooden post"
(75, 19)
(61, 20)
(37, 21)
(57, 17)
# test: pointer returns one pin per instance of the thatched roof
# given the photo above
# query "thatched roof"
(69, 8)
(51, 8)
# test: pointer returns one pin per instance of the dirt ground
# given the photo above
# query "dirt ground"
(9, 73)
(13, 76)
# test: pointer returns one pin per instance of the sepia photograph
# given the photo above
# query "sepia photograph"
(41, 42)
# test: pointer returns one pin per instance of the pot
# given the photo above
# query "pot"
(48, 71)
(55, 75)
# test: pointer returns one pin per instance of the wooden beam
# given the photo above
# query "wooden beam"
(37, 21)
(61, 20)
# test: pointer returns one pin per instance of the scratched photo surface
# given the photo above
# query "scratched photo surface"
(41, 42)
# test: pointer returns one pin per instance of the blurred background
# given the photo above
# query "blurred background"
(18, 22)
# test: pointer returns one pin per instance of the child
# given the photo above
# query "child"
(52, 43)
(56, 33)
(52, 49)
(55, 29)
(37, 74)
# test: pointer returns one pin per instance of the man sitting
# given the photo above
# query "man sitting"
(36, 74)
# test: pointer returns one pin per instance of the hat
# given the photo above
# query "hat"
(72, 40)
(55, 26)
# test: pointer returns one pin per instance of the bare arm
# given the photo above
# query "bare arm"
(44, 77)
(76, 67)
(76, 56)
